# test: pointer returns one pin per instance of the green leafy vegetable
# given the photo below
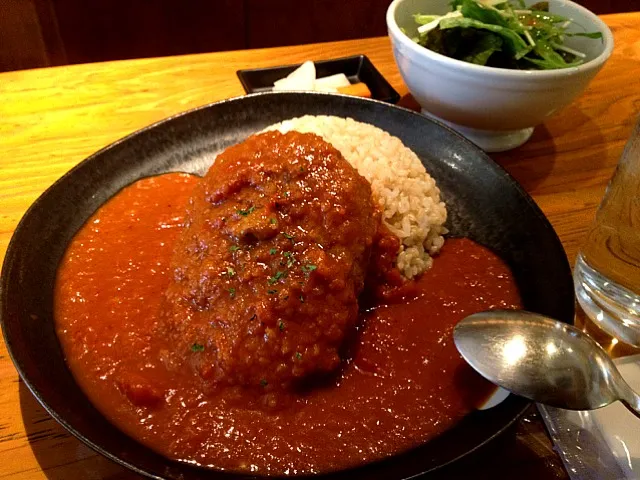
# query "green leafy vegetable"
(424, 19)
(197, 347)
(549, 58)
(512, 41)
(503, 34)
(482, 50)
(482, 13)
(585, 34)
(234, 248)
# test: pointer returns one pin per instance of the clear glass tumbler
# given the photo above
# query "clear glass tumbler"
(607, 271)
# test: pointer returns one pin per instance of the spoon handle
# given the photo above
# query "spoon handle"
(628, 397)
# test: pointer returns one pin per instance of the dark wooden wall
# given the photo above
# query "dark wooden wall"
(289, 22)
(29, 35)
(40, 33)
(94, 30)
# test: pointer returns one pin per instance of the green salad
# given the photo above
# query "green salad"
(503, 34)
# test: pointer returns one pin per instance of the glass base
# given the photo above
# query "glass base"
(612, 307)
(489, 140)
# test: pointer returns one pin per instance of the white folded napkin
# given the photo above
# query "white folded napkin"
(599, 444)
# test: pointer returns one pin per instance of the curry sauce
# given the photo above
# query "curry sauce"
(140, 312)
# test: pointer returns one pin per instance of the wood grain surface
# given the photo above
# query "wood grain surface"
(51, 119)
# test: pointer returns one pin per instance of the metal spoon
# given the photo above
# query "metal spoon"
(542, 359)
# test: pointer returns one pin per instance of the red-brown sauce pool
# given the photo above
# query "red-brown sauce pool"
(404, 384)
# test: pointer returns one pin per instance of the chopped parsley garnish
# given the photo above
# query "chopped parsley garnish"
(290, 258)
(301, 299)
(232, 292)
(264, 382)
(230, 271)
(234, 248)
(286, 235)
(273, 221)
(308, 268)
(246, 212)
(298, 355)
(197, 347)
(273, 251)
(276, 277)
(272, 292)
(286, 194)
(281, 325)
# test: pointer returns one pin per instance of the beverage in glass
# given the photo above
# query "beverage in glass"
(607, 271)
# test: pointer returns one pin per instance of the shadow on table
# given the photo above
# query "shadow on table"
(532, 163)
(524, 452)
(540, 146)
(60, 455)
(407, 101)
(562, 135)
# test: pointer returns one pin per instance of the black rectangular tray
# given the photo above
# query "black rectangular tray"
(357, 68)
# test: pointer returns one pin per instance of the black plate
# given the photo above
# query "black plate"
(357, 68)
(484, 203)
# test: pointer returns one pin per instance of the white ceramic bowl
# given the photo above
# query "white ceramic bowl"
(495, 108)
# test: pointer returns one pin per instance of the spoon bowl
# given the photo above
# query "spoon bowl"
(542, 359)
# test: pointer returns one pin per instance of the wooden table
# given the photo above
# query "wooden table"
(51, 119)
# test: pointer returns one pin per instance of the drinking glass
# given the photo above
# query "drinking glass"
(607, 271)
